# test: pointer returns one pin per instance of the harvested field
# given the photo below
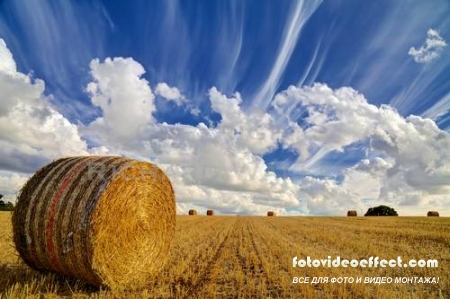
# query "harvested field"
(251, 257)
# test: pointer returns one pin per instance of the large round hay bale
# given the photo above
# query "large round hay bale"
(192, 212)
(105, 220)
(433, 214)
(352, 213)
(271, 213)
(210, 212)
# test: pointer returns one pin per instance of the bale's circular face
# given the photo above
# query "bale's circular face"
(105, 220)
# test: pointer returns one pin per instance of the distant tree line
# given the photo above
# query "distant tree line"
(5, 206)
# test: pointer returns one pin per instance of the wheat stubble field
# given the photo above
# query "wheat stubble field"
(251, 257)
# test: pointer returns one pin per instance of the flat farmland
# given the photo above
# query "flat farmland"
(251, 257)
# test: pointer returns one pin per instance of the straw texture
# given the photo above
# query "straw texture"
(352, 213)
(192, 212)
(106, 220)
(433, 214)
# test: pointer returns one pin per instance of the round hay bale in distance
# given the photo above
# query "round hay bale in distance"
(106, 220)
(271, 213)
(433, 214)
(192, 212)
(210, 213)
(352, 213)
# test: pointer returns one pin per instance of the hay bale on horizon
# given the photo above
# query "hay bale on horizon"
(352, 213)
(433, 214)
(210, 213)
(271, 213)
(108, 221)
(192, 212)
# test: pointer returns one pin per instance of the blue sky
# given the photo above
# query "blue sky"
(299, 106)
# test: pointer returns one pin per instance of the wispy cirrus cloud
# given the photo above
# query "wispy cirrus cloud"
(222, 166)
(32, 130)
(298, 18)
(405, 158)
(210, 166)
(337, 146)
(439, 109)
(49, 40)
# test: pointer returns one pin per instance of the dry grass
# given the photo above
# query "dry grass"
(250, 257)
(106, 220)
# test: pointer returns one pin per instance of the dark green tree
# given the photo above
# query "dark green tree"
(381, 211)
(5, 206)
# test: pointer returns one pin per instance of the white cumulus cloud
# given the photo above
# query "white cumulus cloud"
(7, 63)
(434, 44)
(125, 99)
(31, 129)
(169, 93)
(407, 157)
(219, 167)
(10, 184)
(406, 162)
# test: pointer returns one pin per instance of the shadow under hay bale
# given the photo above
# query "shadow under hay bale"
(192, 212)
(271, 213)
(352, 213)
(15, 281)
(433, 214)
(105, 220)
(210, 212)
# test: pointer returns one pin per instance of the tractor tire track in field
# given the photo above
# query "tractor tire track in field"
(244, 275)
(261, 248)
(235, 266)
(283, 238)
(205, 278)
(250, 262)
(259, 267)
(320, 289)
(239, 260)
(228, 257)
